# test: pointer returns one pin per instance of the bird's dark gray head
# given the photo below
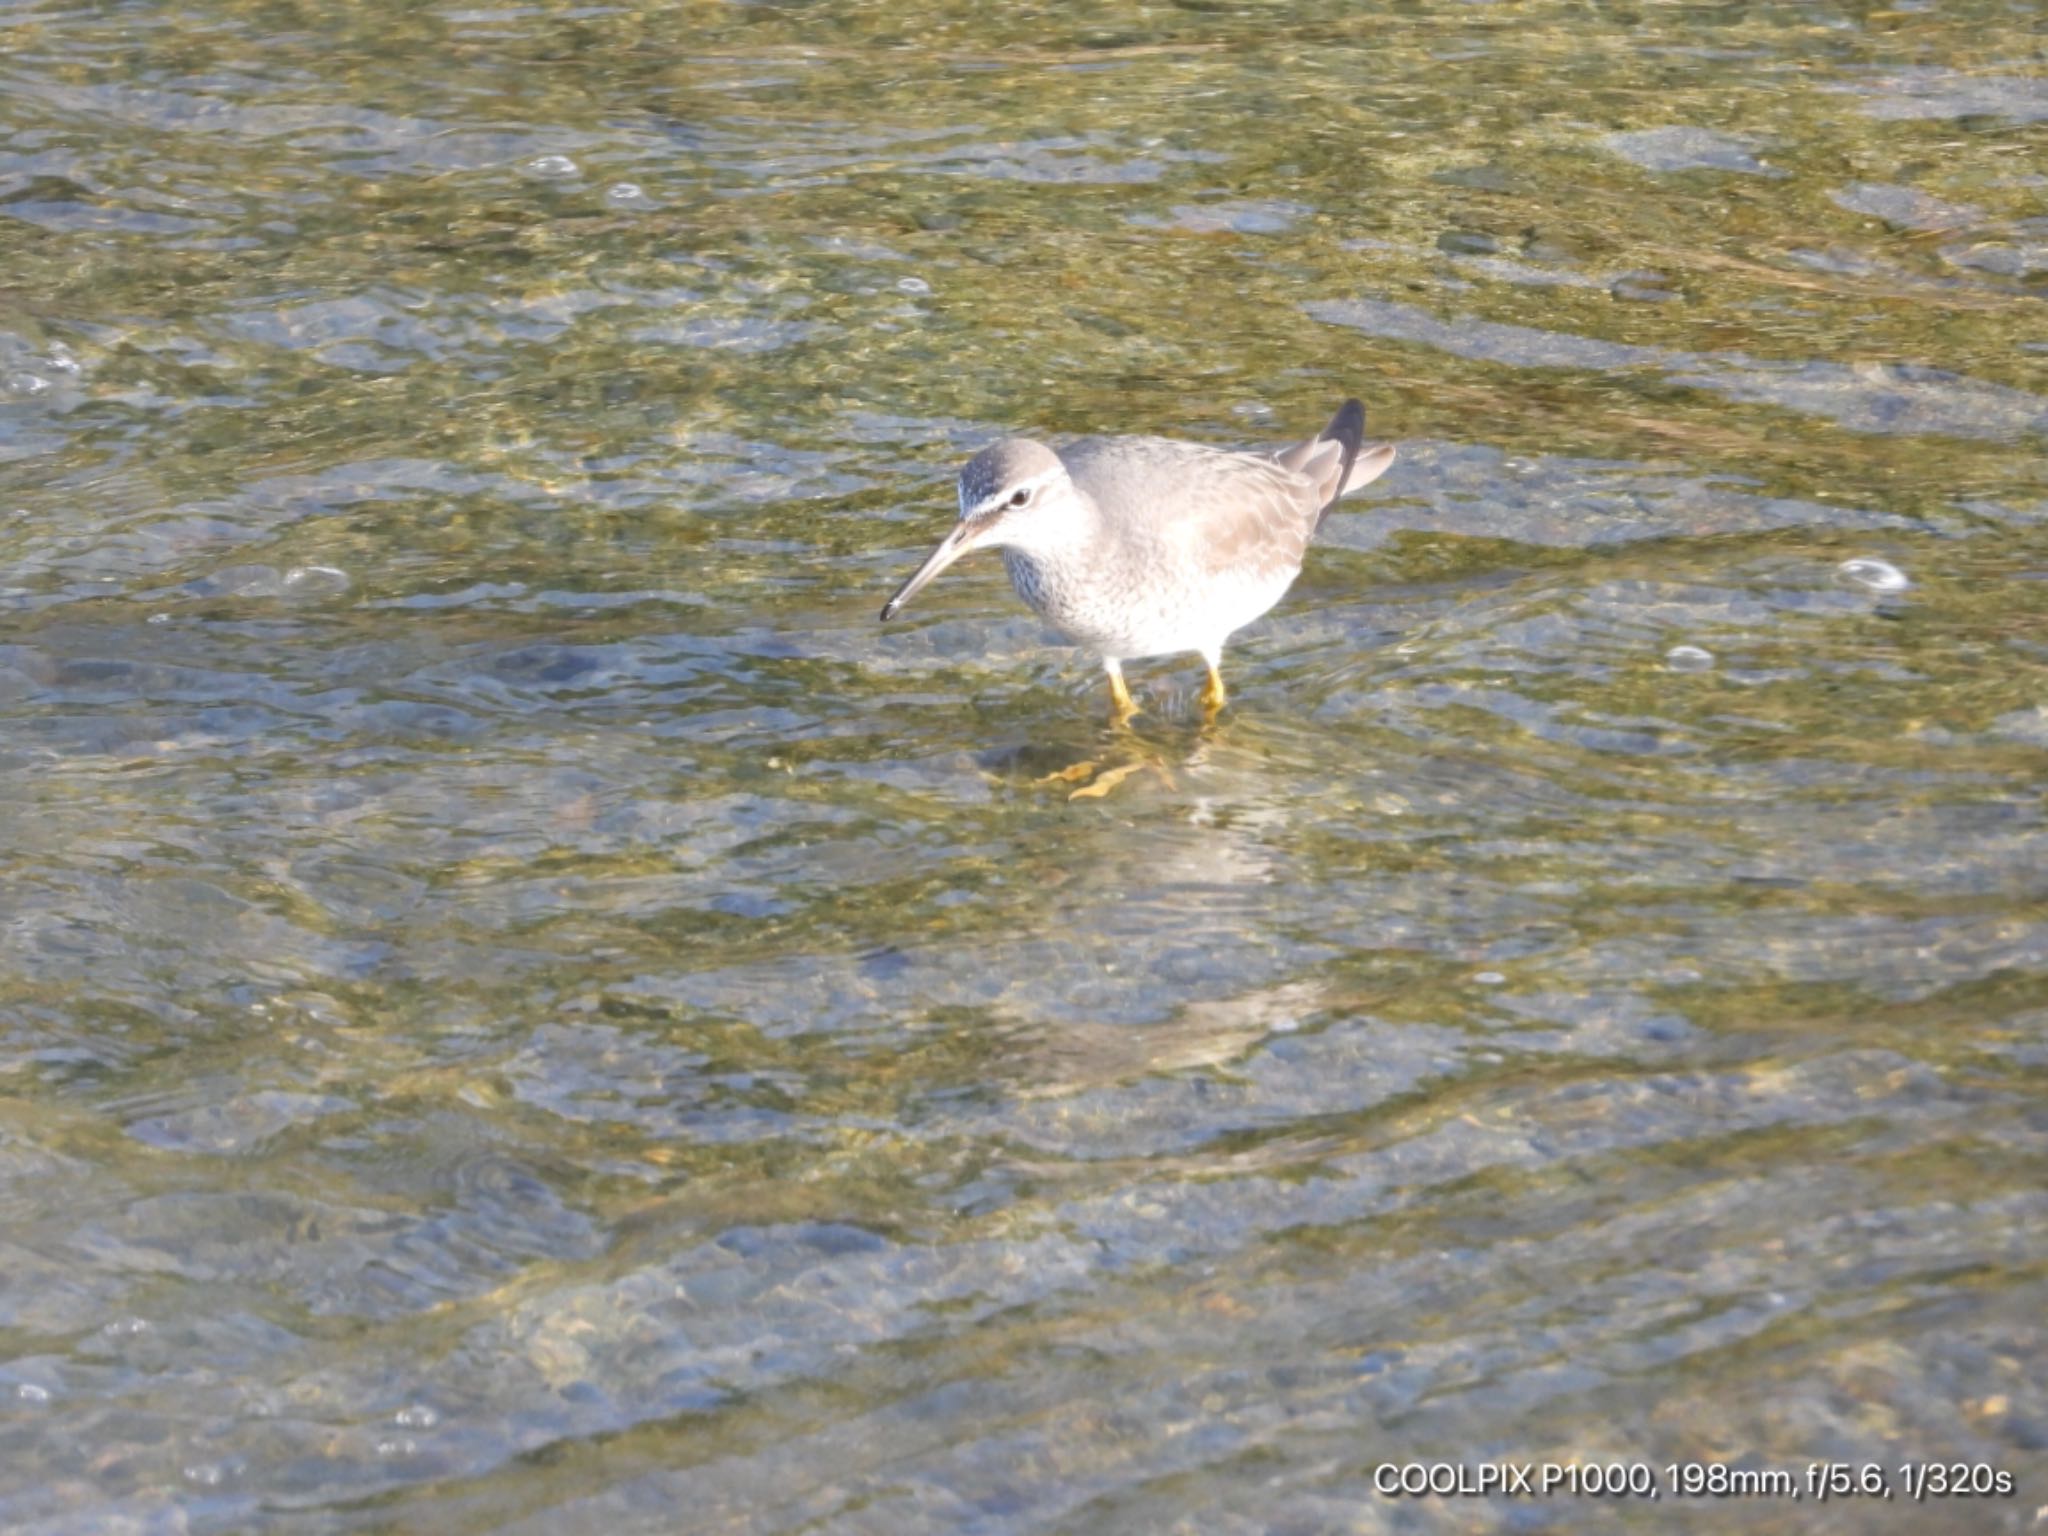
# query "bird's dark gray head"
(1015, 492)
(1008, 477)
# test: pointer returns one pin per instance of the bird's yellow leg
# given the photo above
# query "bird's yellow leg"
(1107, 779)
(1119, 695)
(1213, 695)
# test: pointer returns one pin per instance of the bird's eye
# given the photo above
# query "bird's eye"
(1018, 498)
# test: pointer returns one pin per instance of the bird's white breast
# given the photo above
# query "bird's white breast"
(1147, 606)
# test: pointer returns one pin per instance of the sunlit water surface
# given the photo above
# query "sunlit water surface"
(523, 1008)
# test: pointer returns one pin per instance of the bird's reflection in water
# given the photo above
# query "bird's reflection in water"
(1211, 870)
(1157, 746)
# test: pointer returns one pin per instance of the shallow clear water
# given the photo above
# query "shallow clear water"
(523, 1008)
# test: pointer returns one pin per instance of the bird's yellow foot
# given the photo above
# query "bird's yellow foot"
(1122, 706)
(1114, 775)
(1214, 697)
(1070, 775)
(1105, 781)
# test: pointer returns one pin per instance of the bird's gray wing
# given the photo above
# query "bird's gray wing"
(1245, 513)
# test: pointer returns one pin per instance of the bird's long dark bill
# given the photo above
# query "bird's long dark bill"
(965, 536)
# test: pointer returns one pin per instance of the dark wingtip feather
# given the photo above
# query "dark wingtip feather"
(1346, 427)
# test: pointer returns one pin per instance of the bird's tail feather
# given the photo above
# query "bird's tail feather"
(1358, 466)
(1347, 430)
(1365, 469)
(1336, 457)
